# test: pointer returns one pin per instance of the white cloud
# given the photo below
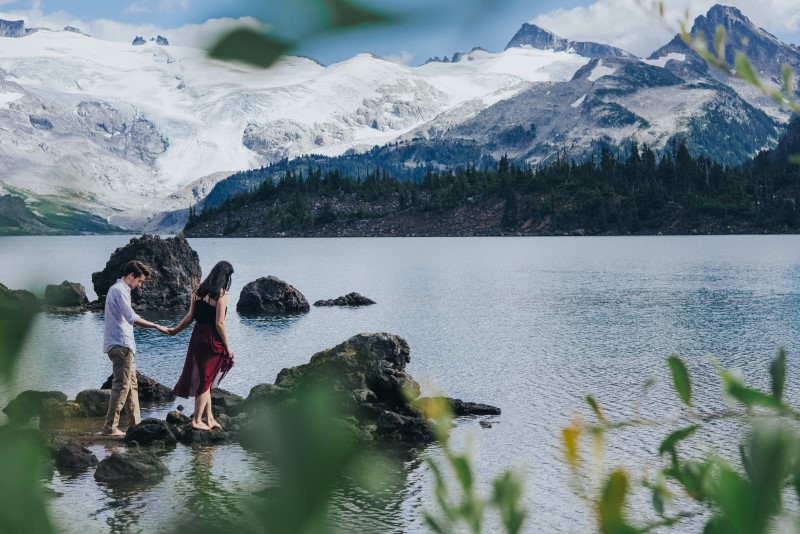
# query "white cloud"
(401, 58)
(137, 8)
(635, 26)
(170, 5)
(192, 35)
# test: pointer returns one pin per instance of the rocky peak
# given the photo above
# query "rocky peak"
(12, 28)
(765, 51)
(538, 37)
(139, 40)
(162, 41)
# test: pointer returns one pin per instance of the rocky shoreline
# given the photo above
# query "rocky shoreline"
(369, 397)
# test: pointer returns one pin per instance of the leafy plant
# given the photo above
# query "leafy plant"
(747, 497)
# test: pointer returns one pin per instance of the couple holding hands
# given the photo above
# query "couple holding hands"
(208, 356)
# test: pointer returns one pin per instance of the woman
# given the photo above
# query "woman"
(208, 345)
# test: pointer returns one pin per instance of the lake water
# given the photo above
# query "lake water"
(531, 325)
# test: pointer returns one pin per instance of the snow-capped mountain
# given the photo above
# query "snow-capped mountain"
(129, 131)
(122, 127)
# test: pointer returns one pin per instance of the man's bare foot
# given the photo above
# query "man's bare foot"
(214, 424)
(115, 434)
(200, 426)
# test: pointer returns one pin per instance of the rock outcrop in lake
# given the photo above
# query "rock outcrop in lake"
(175, 266)
(367, 377)
(67, 294)
(271, 295)
(29, 404)
(351, 299)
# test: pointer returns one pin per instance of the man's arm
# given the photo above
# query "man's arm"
(144, 323)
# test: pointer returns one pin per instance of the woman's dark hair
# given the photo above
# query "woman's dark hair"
(218, 279)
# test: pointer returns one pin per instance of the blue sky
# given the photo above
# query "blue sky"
(432, 27)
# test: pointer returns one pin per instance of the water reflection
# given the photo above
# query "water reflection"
(268, 323)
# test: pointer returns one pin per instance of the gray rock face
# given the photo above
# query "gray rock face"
(29, 404)
(72, 29)
(12, 28)
(133, 466)
(176, 271)
(536, 37)
(149, 389)
(67, 294)
(72, 457)
(139, 40)
(351, 299)
(162, 41)
(271, 295)
(264, 395)
(125, 134)
(766, 53)
(93, 402)
(150, 431)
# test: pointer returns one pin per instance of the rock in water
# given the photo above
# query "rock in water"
(351, 299)
(271, 295)
(68, 294)
(29, 404)
(149, 431)
(176, 272)
(73, 457)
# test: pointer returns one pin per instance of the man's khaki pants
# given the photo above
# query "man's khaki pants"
(124, 389)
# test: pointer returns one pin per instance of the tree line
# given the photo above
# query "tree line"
(616, 191)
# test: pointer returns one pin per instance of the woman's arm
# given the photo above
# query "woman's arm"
(186, 320)
(222, 306)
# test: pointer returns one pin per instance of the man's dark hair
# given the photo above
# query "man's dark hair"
(137, 268)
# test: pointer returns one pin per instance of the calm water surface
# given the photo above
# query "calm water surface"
(531, 325)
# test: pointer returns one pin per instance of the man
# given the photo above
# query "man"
(120, 346)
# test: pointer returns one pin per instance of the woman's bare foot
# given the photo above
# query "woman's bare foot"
(214, 424)
(200, 426)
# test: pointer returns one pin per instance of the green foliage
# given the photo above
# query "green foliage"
(22, 452)
(680, 378)
(462, 507)
(262, 49)
(745, 498)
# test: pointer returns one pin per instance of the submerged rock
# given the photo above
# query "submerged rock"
(351, 299)
(73, 457)
(67, 294)
(133, 466)
(271, 295)
(175, 272)
(458, 407)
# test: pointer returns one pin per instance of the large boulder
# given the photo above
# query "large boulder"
(149, 389)
(351, 300)
(29, 404)
(176, 272)
(368, 368)
(68, 294)
(271, 295)
(138, 466)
